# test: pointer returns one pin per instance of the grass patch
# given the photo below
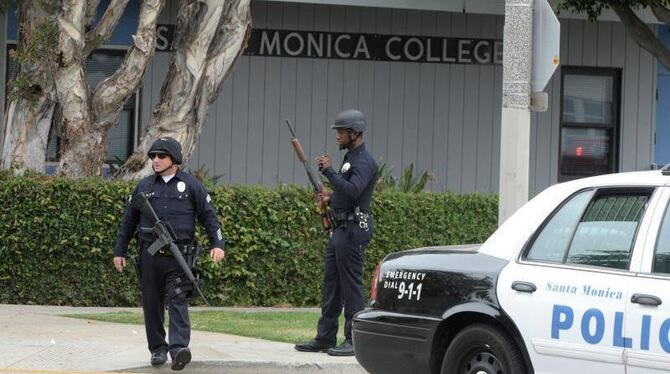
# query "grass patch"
(280, 326)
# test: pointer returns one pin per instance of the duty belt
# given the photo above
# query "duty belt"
(342, 218)
(182, 245)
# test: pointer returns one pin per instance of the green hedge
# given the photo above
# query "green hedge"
(56, 237)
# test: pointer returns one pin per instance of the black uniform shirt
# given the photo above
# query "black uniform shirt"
(354, 184)
(179, 202)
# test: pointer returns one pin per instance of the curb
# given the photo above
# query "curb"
(257, 367)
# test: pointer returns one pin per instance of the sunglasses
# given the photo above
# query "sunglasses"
(159, 155)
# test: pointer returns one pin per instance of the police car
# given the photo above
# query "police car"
(576, 281)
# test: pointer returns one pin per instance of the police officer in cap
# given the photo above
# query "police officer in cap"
(178, 199)
(350, 213)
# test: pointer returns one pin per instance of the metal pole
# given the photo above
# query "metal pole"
(515, 126)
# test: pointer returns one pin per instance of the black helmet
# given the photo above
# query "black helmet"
(350, 119)
(169, 146)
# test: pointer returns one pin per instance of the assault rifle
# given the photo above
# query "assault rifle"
(164, 238)
(316, 185)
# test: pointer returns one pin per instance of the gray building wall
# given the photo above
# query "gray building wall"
(601, 44)
(444, 118)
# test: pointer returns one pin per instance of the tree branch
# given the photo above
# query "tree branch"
(201, 35)
(181, 94)
(91, 10)
(197, 24)
(229, 42)
(662, 13)
(71, 27)
(112, 92)
(103, 30)
(642, 34)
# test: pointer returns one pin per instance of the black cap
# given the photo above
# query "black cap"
(350, 119)
(169, 146)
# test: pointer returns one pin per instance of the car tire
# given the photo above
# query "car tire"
(482, 348)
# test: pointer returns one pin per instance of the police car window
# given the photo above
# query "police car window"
(662, 254)
(553, 240)
(605, 234)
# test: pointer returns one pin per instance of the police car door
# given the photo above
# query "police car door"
(648, 307)
(567, 291)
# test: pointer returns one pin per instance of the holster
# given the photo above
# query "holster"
(178, 283)
(191, 254)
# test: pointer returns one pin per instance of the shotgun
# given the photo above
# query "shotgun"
(316, 185)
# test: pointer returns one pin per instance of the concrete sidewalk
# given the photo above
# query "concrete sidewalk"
(37, 338)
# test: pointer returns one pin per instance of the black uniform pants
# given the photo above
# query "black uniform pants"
(343, 280)
(155, 270)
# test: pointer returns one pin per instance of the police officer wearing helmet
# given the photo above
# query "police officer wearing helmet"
(178, 199)
(349, 202)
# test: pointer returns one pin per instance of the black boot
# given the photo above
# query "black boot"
(180, 358)
(158, 358)
(313, 346)
(344, 349)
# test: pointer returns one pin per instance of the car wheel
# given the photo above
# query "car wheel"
(482, 349)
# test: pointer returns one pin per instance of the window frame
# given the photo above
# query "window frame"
(615, 126)
(595, 192)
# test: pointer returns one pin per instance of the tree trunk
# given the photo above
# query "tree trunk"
(79, 153)
(28, 117)
(83, 147)
(26, 136)
(210, 37)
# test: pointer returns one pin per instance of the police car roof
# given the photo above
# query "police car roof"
(635, 178)
(517, 229)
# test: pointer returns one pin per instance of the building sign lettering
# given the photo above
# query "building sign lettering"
(366, 47)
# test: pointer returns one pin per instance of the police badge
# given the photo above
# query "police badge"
(181, 186)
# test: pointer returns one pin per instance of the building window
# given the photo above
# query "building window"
(589, 122)
(100, 64)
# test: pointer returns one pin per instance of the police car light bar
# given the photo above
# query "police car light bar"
(665, 170)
